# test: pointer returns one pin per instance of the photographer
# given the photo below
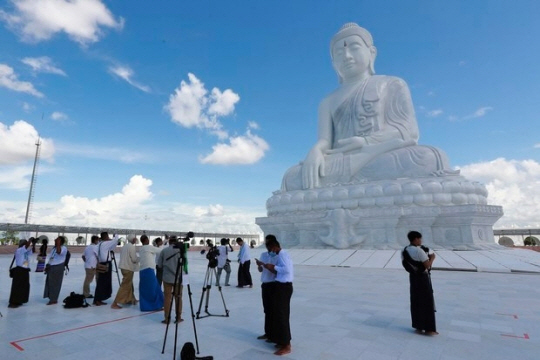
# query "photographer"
(420, 259)
(20, 286)
(223, 262)
(104, 279)
(168, 261)
(244, 276)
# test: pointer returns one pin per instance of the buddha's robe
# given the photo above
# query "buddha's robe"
(380, 110)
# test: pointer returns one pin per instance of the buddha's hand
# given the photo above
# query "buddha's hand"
(312, 169)
(347, 145)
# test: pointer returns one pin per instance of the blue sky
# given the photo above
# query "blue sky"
(185, 115)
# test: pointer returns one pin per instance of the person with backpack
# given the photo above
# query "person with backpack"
(417, 260)
(55, 270)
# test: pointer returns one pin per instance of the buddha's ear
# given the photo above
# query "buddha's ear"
(373, 51)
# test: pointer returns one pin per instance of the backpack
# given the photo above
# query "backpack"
(412, 266)
(66, 262)
(75, 301)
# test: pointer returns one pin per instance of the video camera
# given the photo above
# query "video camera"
(182, 243)
(212, 254)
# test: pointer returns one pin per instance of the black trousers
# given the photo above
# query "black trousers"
(281, 329)
(20, 286)
(422, 302)
(268, 295)
(244, 277)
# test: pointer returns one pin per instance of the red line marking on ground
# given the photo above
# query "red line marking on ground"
(18, 347)
(513, 315)
(525, 336)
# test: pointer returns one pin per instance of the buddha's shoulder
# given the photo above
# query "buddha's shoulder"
(385, 80)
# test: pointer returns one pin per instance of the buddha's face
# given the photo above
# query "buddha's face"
(351, 57)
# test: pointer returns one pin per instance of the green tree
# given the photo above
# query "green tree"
(531, 241)
(9, 237)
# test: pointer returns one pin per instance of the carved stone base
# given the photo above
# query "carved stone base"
(456, 227)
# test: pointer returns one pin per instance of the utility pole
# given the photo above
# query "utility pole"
(32, 182)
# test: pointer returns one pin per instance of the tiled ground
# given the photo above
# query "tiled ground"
(337, 313)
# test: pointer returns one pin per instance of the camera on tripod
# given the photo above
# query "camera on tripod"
(183, 243)
(212, 254)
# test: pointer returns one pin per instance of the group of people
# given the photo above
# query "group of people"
(54, 269)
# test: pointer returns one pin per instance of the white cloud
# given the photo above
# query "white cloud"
(105, 211)
(210, 210)
(134, 208)
(125, 72)
(253, 125)
(27, 107)
(15, 177)
(434, 113)
(59, 116)
(481, 112)
(512, 184)
(82, 20)
(19, 144)
(8, 79)
(241, 150)
(191, 106)
(43, 64)
(537, 146)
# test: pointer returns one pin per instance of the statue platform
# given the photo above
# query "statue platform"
(450, 212)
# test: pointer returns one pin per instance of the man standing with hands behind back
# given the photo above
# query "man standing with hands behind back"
(283, 289)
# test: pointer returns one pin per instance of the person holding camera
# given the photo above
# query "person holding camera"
(418, 260)
(150, 294)
(280, 330)
(168, 261)
(104, 275)
(90, 261)
(244, 276)
(223, 262)
(55, 270)
(20, 285)
(129, 264)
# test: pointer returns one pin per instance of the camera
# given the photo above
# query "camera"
(182, 243)
(212, 254)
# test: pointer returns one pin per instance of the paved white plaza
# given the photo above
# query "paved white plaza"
(336, 313)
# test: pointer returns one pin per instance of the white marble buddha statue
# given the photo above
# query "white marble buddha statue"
(367, 128)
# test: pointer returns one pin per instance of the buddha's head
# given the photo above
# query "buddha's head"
(353, 53)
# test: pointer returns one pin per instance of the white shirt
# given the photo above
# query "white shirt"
(147, 256)
(22, 255)
(284, 267)
(222, 257)
(243, 255)
(267, 275)
(417, 254)
(104, 247)
(90, 255)
(159, 249)
(56, 258)
(128, 258)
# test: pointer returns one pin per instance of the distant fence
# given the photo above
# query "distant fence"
(80, 235)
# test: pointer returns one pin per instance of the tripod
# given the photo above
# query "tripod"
(207, 285)
(178, 280)
(113, 259)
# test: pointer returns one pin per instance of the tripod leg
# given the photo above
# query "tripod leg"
(168, 320)
(203, 291)
(193, 318)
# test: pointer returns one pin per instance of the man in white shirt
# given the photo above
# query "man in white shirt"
(20, 286)
(90, 261)
(129, 263)
(420, 260)
(55, 272)
(150, 294)
(244, 276)
(268, 280)
(104, 282)
(284, 271)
